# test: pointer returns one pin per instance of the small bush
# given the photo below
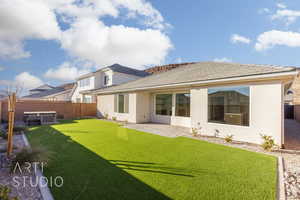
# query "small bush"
(114, 118)
(3, 134)
(268, 143)
(106, 116)
(19, 128)
(229, 138)
(30, 155)
(4, 193)
(194, 132)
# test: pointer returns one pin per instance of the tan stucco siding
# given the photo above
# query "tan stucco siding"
(265, 117)
(265, 114)
(143, 102)
(105, 105)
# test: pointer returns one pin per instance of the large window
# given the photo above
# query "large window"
(183, 105)
(84, 82)
(163, 104)
(229, 105)
(121, 103)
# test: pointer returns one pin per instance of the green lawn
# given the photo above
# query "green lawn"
(102, 160)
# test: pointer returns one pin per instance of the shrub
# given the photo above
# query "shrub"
(29, 155)
(4, 193)
(19, 128)
(106, 116)
(3, 134)
(194, 132)
(268, 143)
(229, 138)
(114, 118)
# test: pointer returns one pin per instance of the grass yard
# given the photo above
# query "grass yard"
(102, 160)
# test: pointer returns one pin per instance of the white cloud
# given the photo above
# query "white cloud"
(27, 80)
(281, 5)
(224, 59)
(65, 72)
(20, 20)
(90, 39)
(273, 38)
(288, 16)
(86, 36)
(235, 38)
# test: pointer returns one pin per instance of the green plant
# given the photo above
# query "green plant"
(229, 138)
(3, 134)
(268, 143)
(114, 118)
(4, 193)
(19, 128)
(106, 116)
(194, 132)
(29, 155)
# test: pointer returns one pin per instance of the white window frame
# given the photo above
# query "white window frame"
(173, 103)
(250, 107)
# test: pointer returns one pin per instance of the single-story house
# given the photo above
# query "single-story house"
(244, 100)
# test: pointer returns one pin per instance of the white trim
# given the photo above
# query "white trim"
(201, 82)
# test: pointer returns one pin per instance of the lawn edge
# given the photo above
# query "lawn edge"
(45, 191)
(280, 179)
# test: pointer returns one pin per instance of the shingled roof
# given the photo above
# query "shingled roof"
(118, 68)
(53, 91)
(127, 70)
(202, 71)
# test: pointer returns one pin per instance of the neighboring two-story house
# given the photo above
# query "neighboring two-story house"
(51, 93)
(109, 76)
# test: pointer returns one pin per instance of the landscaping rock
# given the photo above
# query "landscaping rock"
(24, 191)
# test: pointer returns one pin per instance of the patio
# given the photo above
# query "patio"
(161, 129)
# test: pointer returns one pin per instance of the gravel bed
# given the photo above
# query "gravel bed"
(25, 190)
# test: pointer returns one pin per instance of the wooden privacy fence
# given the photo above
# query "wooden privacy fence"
(64, 110)
(297, 112)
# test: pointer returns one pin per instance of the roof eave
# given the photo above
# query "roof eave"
(240, 78)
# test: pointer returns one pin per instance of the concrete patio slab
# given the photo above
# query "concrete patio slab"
(161, 129)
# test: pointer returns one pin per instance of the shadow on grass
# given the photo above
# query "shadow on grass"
(88, 176)
(154, 168)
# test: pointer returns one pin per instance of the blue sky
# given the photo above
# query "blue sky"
(53, 42)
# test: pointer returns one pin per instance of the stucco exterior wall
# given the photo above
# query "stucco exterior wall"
(265, 114)
(265, 117)
(76, 94)
(105, 105)
(61, 97)
(143, 102)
